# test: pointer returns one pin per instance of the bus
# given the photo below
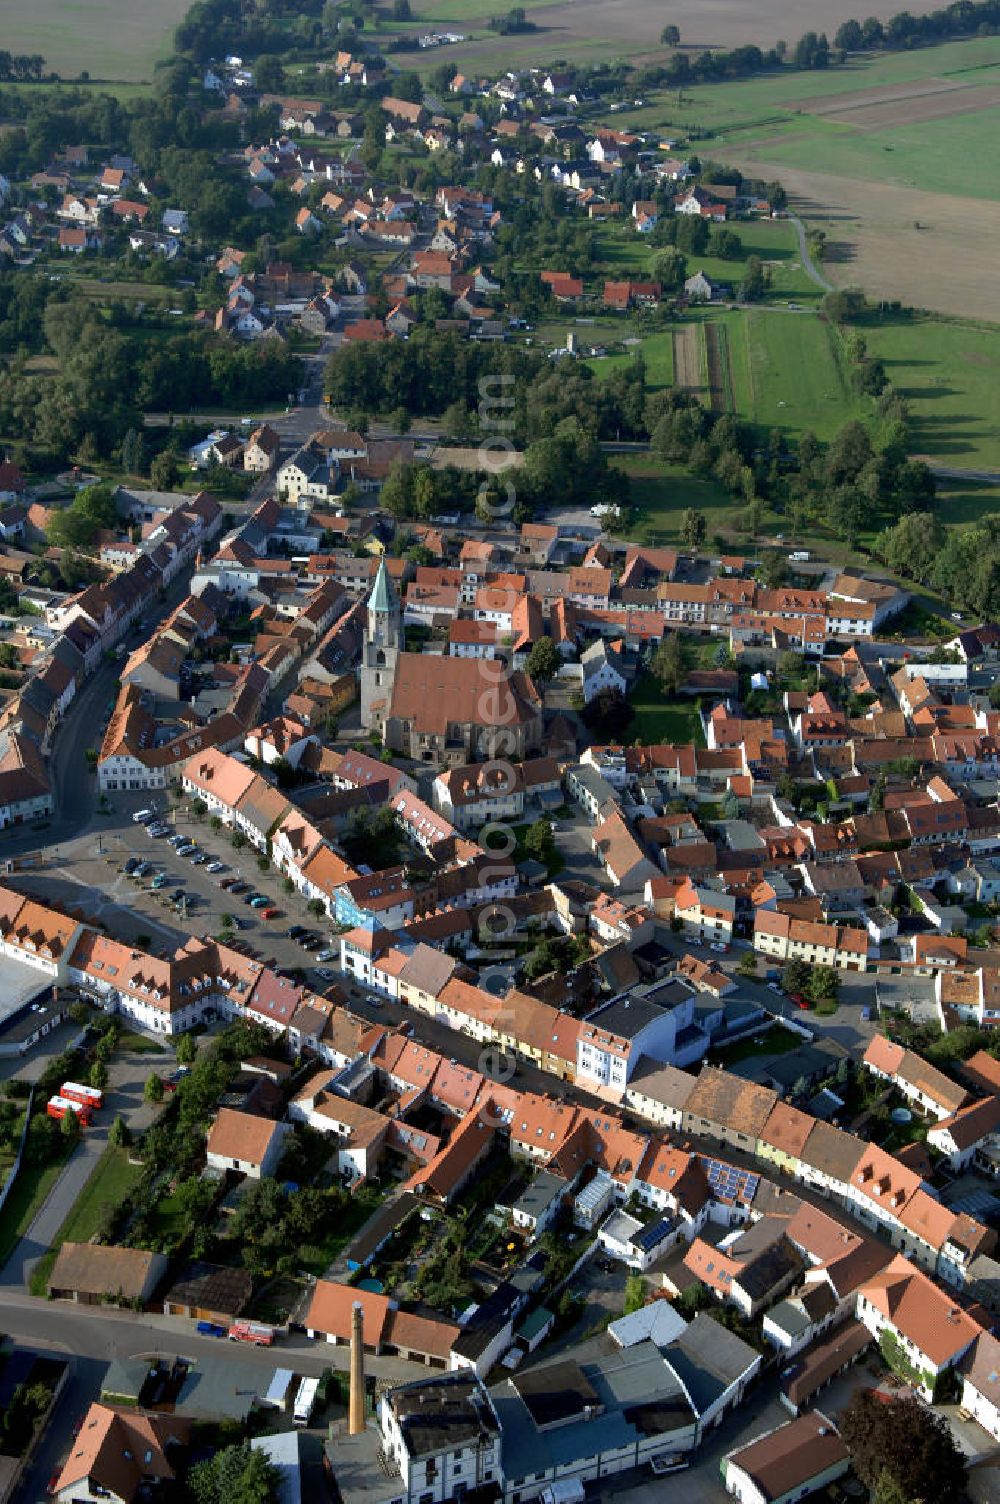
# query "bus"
(305, 1402)
(87, 1096)
(58, 1107)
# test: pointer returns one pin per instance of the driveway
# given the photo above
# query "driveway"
(126, 1078)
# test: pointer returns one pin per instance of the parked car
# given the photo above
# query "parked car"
(186, 849)
(773, 987)
(211, 1329)
(295, 931)
(325, 973)
(160, 880)
(326, 954)
(214, 867)
(238, 887)
(131, 865)
(141, 816)
(156, 831)
(227, 882)
(178, 840)
(270, 912)
(717, 946)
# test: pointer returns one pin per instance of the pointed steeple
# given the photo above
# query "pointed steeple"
(383, 597)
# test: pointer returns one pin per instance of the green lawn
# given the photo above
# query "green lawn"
(661, 493)
(788, 372)
(657, 352)
(949, 373)
(960, 503)
(774, 1041)
(110, 1183)
(140, 1043)
(30, 1190)
(656, 720)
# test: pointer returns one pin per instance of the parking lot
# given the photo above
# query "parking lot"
(175, 896)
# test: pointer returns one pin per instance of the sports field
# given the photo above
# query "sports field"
(788, 372)
(109, 39)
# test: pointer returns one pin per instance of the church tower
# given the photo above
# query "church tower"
(383, 644)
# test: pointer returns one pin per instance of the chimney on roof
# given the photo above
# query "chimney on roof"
(356, 1412)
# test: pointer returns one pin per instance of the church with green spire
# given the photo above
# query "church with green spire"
(382, 646)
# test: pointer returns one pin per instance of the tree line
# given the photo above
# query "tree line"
(21, 67)
(108, 377)
(561, 412)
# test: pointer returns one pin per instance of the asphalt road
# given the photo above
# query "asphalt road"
(95, 1335)
(74, 784)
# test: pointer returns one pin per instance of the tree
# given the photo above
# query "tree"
(823, 984)
(98, 1075)
(635, 1293)
(694, 529)
(134, 458)
(544, 660)
(748, 964)
(609, 715)
(69, 1127)
(772, 571)
(164, 470)
(186, 1050)
(670, 269)
(903, 1443)
(119, 1134)
(237, 1475)
(794, 976)
(539, 842)
(153, 1089)
(849, 37)
(912, 546)
(754, 283)
(725, 244)
(844, 304)
(668, 663)
(670, 36)
(269, 74)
